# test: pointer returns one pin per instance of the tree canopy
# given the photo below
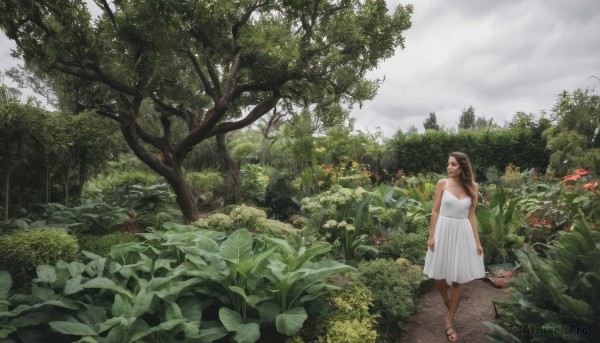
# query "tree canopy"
(217, 66)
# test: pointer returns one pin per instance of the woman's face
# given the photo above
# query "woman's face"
(453, 167)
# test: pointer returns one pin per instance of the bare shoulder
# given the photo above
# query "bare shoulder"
(441, 183)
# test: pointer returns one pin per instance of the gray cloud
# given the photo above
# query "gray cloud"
(499, 56)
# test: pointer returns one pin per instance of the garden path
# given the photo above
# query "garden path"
(427, 326)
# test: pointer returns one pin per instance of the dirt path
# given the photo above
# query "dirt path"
(427, 326)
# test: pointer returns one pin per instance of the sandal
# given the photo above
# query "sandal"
(450, 332)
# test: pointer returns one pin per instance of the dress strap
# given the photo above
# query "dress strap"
(446, 185)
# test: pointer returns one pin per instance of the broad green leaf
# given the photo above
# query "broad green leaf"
(142, 303)
(86, 339)
(138, 329)
(237, 247)
(73, 285)
(105, 283)
(209, 335)
(5, 284)
(46, 274)
(109, 323)
(191, 309)
(247, 333)
(268, 311)
(163, 263)
(5, 331)
(37, 318)
(172, 311)
(291, 321)
(244, 332)
(120, 307)
(43, 293)
(230, 319)
(251, 300)
(71, 328)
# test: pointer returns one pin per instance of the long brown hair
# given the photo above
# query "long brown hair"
(467, 177)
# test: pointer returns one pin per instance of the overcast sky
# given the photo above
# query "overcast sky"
(500, 56)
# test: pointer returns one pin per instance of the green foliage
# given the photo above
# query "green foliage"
(23, 251)
(575, 140)
(255, 179)
(279, 196)
(393, 287)
(247, 217)
(522, 146)
(90, 216)
(154, 219)
(169, 286)
(559, 291)
(351, 320)
(102, 244)
(207, 186)
(494, 225)
(410, 246)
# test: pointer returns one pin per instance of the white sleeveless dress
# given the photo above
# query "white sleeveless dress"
(455, 256)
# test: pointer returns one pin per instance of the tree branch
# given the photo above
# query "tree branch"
(109, 13)
(258, 111)
(207, 86)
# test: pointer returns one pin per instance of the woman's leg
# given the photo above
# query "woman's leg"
(457, 291)
(442, 287)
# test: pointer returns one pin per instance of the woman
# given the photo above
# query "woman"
(455, 255)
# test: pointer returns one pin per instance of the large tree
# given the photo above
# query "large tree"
(467, 118)
(431, 122)
(216, 65)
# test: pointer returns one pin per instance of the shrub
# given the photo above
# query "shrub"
(216, 222)
(558, 292)
(23, 251)
(156, 219)
(101, 244)
(512, 178)
(393, 292)
(351, 321)
(411, 246)
(207, 186)
(275, 228)
(247, 216)
(279, 197)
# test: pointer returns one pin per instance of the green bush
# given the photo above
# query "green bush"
(275, 228)
(351, 321)
(216, 222)
(279, 197)
(23, 251)
(411, 246)
(156, 219)
(558, 292)
(101, 244)
(393, 286)
(247, 216)
(207, 186)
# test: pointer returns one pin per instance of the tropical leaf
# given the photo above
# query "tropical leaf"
(71, 328)
(291, 321)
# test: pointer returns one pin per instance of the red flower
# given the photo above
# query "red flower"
(582, 172)
(571, 177)
(591, 186)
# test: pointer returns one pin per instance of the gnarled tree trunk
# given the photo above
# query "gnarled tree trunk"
(233, 170)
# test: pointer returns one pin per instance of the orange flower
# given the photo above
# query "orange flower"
(591, 186)
(571, 177)
(582, 172)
